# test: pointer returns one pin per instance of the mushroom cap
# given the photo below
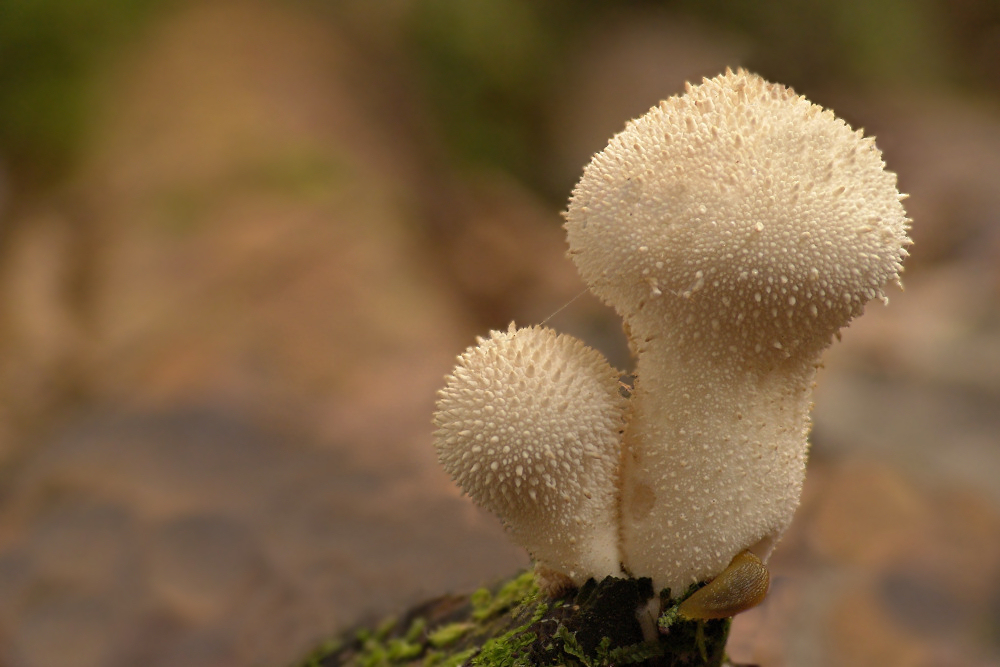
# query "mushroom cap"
(743, 211)
(529, 426)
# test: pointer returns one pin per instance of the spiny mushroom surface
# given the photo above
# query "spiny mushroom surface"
(735, 229)
(529, 425)
(741, 194)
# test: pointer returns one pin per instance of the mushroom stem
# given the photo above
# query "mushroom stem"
(714, 459)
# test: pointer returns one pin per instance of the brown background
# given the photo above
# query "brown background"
(244, 241)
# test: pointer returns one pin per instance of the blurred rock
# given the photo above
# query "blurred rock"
(64, 627)
(207, 526)
(201, 565)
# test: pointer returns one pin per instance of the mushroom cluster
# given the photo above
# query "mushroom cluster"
(735, 229)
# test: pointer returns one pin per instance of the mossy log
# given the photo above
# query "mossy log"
(513, 624)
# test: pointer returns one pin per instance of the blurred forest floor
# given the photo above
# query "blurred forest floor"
(228, 298)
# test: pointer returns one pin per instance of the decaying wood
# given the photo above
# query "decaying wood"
(513, 624)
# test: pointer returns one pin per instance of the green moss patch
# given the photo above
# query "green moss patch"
(513, 625)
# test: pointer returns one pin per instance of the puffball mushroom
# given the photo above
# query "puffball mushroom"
(529, 425)
(735, 229)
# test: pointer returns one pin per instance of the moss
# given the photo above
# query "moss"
(518, 591)
(508, 650)
(630, 655)
(480, 601)
(373, 655)
(440, 659)
(384, 628)
(404, 649)
(447, 635)
(416, 630)
(512, 649)
(379, 634)
(400, 650)
(324, 650)
(378, 648)
(514, 626)
(667, 619)
(571, 647)
(604, 655)
(446, 639)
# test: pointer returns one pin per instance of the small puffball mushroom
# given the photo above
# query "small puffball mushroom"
(735, 229)
(529, 425)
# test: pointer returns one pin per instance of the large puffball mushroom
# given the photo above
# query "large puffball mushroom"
(529, 426)
(735, 229)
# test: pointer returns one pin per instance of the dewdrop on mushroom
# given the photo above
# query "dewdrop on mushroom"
(736, 229)
(529, 426)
